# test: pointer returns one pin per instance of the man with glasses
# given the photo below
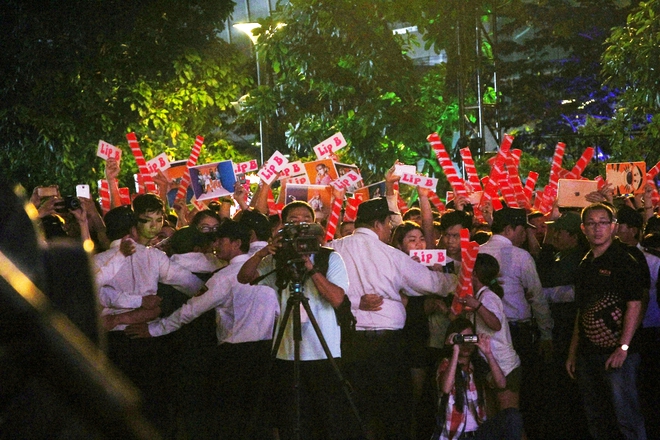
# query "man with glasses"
(374, 356)
(603, 357)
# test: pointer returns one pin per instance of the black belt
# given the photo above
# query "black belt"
(521, 323)
(376, 333)
(466, 435)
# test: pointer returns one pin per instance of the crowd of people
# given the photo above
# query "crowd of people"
(231, 329)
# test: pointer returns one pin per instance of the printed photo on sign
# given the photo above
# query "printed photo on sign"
(175, 173)
(626, 177)
(318, 196)
(321, 172)
(343, 169)
(212, 180)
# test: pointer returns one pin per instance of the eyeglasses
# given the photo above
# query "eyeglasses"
(205, 229)
(593, 225)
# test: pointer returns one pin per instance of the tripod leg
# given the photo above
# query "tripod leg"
(340, 377)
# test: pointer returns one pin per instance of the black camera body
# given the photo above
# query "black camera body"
(68, 203)
(465, 339)
(300, 239)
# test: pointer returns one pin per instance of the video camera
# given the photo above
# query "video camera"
(296, 240)
(300, 239)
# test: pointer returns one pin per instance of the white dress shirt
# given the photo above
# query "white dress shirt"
(520, 281)
(376, 267)
(310, 347)
(500, 340)
(123, 281)
(244, 313)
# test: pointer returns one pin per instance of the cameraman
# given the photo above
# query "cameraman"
(321, 400)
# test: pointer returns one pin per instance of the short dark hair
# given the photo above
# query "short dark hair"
(201, 215)
(119, 222)
(148, 203)
(186, 239)
(412, 212)
(297, 204)
(234, 230)
(595, 207)
(257, 222)
(452, 218)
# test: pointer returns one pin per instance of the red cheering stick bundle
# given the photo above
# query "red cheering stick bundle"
(435, 200)
(582, 163)
(469, 251)
(141, 163)
(333, 219)
(530, 184)
(447, 166)
(104, 192)
(650, 175)
(351, 209)
(192, 161)
(470, 169)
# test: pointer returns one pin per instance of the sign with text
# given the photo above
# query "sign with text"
(292, 169)
(107, 151)
(400, 169)
(273, 165)
(246, 167)
(158, 163)
(417, 180)
(430, 257)
(297, 180)
(330, 145)
(348, 181)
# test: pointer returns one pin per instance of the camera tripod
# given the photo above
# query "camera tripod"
(297, 297)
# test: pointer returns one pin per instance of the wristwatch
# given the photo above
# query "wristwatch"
(313, 271)
(624, 347)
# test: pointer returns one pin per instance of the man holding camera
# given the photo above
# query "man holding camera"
(374, 358)
(321, 401)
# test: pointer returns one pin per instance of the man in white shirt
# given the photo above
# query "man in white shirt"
(323, 405)
(127, 277)
(377, 274)
(245, 317)
(523, 302)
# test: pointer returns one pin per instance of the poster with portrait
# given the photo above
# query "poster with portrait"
(321, 172)
(343, 169)
(626, 177)
(318, 196)
(212, 180)
(371, 191)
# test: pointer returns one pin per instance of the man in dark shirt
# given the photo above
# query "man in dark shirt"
(609, 291)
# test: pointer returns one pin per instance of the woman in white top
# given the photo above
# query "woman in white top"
(488, 315)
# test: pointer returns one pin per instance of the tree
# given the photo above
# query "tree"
(631, 63)
(80, 71)
(337, 66)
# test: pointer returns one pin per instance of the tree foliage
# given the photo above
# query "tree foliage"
(631, 63)
(79, 71)
(336, 66)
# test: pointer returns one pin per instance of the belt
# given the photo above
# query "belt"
(376, 333)
(521, 323)
(466, 435)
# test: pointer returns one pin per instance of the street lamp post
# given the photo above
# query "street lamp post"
(248, 28)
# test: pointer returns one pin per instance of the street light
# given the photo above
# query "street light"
(248, 28)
